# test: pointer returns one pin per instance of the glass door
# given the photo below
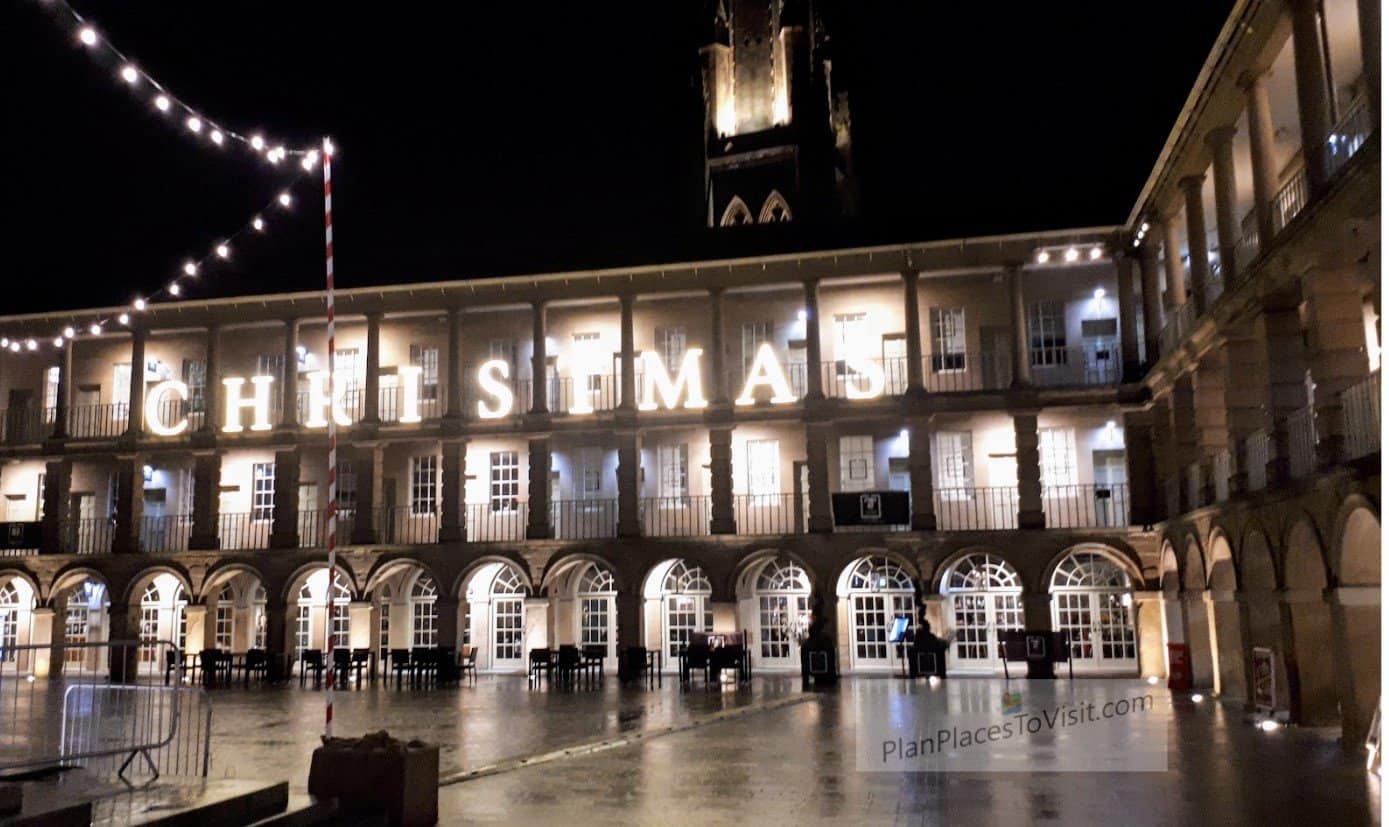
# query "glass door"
(508, 645)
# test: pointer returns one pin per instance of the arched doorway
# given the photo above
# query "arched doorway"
(236, 609)
(875, 591)
(1356, 621)
(16, 619)
(85, 621)
(163, 620)
(679, 603)
(1092, 601)
(309, 609)
(983, 595)
(496, 596)
(424, 612)
(1315, 698)
(774, 604)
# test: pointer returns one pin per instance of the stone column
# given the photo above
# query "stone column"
(1246, 397)
(818, 470)
(1208, 398)
(123, 624)
(539, 525)
(135, 424)
(1368, 12)
(1030, 514)
(1265, 170)
(367, 459)
(1333, 310)
(628, 357)
(1186, 447)
(911, 306)
(1128, 318)
(539, 380)
(1227, 229)
(1022, 349)
(1152, 303)
(1164, 463)
(289, 391)
(1172, 260)
(278, 644)
(42, 634)
(921, 474)
(628, 483)
(1152, 654)
(371, 405)
(1198, 639)
(1313, 98)
(446, 605)
(721, 481)
(1223, 612)
(56, 525)
(130, 504)
(628, 603)
(1196, 251)
(1356, 629)
(453, 519)
(284, 527)
(1310, 660)
(360, 626)
(455, 408)
(60, 414)
(207, 506)
(212, 380)
(1036, 616)
(201, 634)
(716, 348)
(1281, 331)
(1142, 471)
(814, 368)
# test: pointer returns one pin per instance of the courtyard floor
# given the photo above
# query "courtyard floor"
(724, 755)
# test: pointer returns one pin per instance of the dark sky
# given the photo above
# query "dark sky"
(494, 138)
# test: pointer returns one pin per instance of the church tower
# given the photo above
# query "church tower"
(776, 126)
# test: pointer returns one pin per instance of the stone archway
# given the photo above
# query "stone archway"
(1262, 618)
(1313, 696)
(1196, 617)
(1355, 619)
(1223, 612)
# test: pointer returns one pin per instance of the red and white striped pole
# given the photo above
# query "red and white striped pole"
(332, 435)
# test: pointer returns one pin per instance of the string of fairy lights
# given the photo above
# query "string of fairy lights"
(208, 132)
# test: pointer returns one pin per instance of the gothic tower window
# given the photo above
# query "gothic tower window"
(774, 209)
(737, 214)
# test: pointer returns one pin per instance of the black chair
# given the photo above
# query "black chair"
(257, 662)
(311, 659)
(541, 664)
(692, 657)
(446, 668)
(568, 663)
(213, 664)
(594, 655)
(361, 661)
(423, 665)
(344, 665)
(400, 664)
(173, 664)
(467, 663)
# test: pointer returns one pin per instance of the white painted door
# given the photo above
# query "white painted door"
(508, 633)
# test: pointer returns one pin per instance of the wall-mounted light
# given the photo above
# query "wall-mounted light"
(1043, 256)
(1099, 293)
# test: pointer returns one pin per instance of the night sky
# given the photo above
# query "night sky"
(482, 139)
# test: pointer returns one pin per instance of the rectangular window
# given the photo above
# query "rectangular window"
(755, 334)
(671, 344)
(424, 484)
(764, 466)
(1057, 450)
(504, 480)
(50, 393)
(301, 627)
(851, 336)
(503, 349)
(195, 377)
(947, 339)
(271, 364)
(588, 474)
(856, 463)
(223, 631)
(120, 392)
(427, 359)
(954, 461)
(263, 491)
(424, 623)
(347, 486)
(1046, 333)
(383, 631)
(673, 470)
(346, 360)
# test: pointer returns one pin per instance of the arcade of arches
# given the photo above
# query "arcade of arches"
(1280, 616)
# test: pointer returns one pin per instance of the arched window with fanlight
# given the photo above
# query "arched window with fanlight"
(774, 209)
(595, 592)
(879, 591)
(782, 590)
(9, 622)
(983, 598)
(149, 624)
(736, 214)
(312, 599)
(1092, 602)
(424, 612)
(508, 619)
(688, 608)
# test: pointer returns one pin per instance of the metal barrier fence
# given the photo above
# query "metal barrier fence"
(107, 710)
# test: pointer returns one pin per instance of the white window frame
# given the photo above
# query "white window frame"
(948, 340)
(954, 461)
(1056, 456)
(671, 343)
(1046, 332)
(51, 377)
(120, 391)
(763, 472)
(424, 485)
(755, 334)
(673, 471)
(262, 492)
(504, 481)
(427, 359)
(856, 472)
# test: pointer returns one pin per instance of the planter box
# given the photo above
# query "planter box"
(378, 773)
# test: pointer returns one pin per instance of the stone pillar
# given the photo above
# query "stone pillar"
(1261, 160)
(212, 380)
(1223, 612)
(1280, 329)
(42, 634)
(1172, 260)
(1197, 637)
(1196, 250)
(454, 407)
(814, 368)
(1185, 435)
(921, 474)
(1355, 623)
(539, 380)
(1128, 319)
(1142, 469)
(123, 624)
(911, 307)
(1164, 464)
(1030, 514)
(1227, 229)
(360, 626)
(628, 603)
(207, 506)
(366, 461)
(1368, 12)
(1022, 350)
(1152, 651)
(453, 519)
(1310, 661)
(721, 482)
(628, 358)
(135, 424)
(1152, 303)
(539, 525)
(130, 504)
(818, 470)
(371, 407)
(1333, 310)
(628, 483)
(1313, 98)
(289, 391)
(446, 605)
(56, 525)
(1036, 616)
(1208, 399)
(278, 644)
(201, 634)
(1246, 397)
(284, 527)
(716, 348)
(60, 414)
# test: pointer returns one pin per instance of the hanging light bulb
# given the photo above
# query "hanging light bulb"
(1072, 254)
(124, 318)
(87, 35)
(195, 124)
(257, 224)
(129, 74)
(189, 268)
(1043, 256)
(95, 329)
(216, 137)
(1095, 253)
(328, 147)
(174, 289)
(32, 344)
(4, 341)
(140, 304)
(58, 342)
(257, 143)
(14, 346)
(309, 159)
(68, 331)
(284, 199)
(161, 103)
(223, 251)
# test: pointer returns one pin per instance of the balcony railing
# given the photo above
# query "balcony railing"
(1360, 414)
(502, 520)
(947, 372)
(857, 378)
(1349, 134)
(88, 535)
(25, 425)
(1221, 465)
(97, 421)
(1302, 443)
(1195, 493)
(597, 392)
(584, 519)
(408, 526)
(1075, 365)
(243, 530)
(1291, 197)
(976, 509)
(1086, 506)
(675, 516)
(165, 534)
(765, 513)
(1257, 453)
(1179, 323)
